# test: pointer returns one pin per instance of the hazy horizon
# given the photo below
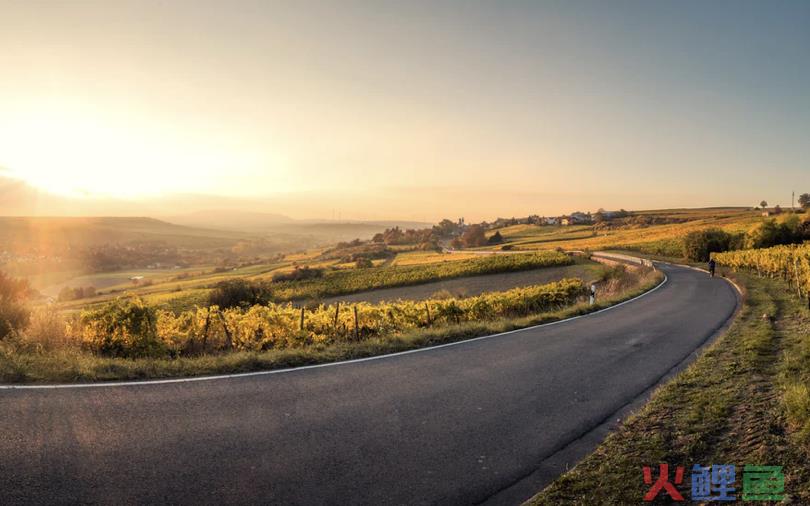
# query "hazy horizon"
(401, 111)
(316, 207)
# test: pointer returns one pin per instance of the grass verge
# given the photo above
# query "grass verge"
(744, 401)
(20, 365)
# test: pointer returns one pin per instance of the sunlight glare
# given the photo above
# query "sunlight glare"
(75, 156)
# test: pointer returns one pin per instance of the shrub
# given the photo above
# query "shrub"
(698, 245)
(770, 233)
(46, 329)
(298, 273)
(67, 293)
(123, 328)
(496, 238)
(14, 315)
(238, 293)
(364, 263)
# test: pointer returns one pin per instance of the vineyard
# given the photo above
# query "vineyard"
(343, 282)
(790, 263)
(657, 239)
(131, 328)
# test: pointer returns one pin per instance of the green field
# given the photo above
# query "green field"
(349, 281)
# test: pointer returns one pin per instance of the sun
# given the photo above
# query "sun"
(74, 156)
(85, 156)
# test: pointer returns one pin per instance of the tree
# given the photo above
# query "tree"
(496, 238)
(763, 204)
(770, 233)
(14, 315)
(238, 293)
(700, 244)
(446, 228)
(804, 200)
(474, 236)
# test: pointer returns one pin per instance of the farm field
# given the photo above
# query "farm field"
(351, 281)
(476, 285)
(117, 280)
(185, 290)
(165, 285)
(654, 238)
(209, 340)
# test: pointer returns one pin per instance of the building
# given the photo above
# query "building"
(576, 218)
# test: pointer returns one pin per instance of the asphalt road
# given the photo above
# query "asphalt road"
(459, 424)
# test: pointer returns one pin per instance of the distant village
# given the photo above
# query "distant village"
(575, 218)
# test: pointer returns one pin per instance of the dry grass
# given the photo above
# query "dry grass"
(744, 401)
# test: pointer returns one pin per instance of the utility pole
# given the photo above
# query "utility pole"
(792, 199)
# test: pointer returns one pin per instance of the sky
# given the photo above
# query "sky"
(409, 110)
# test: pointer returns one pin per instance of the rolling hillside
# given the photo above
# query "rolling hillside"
(41, 233)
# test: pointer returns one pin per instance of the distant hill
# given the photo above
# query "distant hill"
(52, 234)
(280, 227)
(325, 233)
(225, 219)
(263, 222)
(49, 233)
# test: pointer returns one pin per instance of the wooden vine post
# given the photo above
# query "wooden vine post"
(796, 275)
(301, 327)
(337, 312)
(205, 329)
(427, 308)
(356, 327)
(228, 335)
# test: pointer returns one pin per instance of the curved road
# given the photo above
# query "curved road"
(460, 424)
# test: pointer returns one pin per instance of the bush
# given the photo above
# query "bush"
(364, 263)
(67, 294)
(769, 233)
(238, 293)
(698, 245)
(496, 238)
(14, 315)
(298, 273)
(123, 328)
(46, 329)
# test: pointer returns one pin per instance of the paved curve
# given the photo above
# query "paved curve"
(452, 425)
